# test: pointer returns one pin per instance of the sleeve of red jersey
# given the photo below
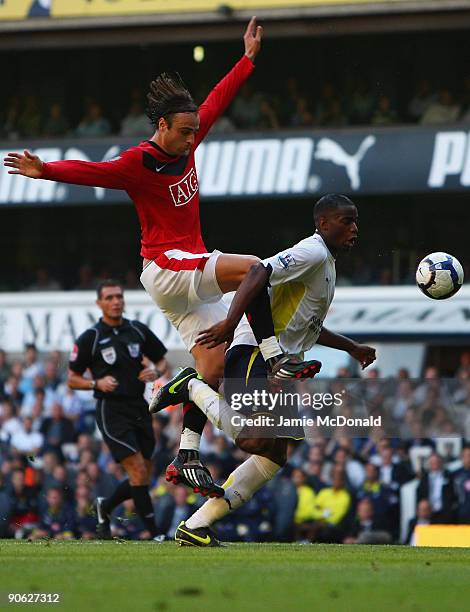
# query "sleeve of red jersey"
(119, 173)
(222, 94)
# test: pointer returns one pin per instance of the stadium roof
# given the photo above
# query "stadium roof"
(61, 23)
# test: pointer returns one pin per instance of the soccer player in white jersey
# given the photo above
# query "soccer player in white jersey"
(303, 283)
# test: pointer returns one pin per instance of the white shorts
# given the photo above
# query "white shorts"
(184, 286)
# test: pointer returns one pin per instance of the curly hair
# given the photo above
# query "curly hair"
(168, 95)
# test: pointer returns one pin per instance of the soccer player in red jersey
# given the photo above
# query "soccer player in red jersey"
(159, 175)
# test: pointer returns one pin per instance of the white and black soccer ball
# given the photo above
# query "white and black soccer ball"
(439, 276)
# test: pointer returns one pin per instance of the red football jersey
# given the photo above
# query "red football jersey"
(164, 189)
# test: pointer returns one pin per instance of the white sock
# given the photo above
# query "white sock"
(240, 487)
(269, 348)
(215, 408)
(190, 440)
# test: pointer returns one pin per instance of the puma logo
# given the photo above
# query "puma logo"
(329, 150)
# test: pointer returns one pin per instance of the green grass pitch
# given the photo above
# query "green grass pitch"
(146, 576)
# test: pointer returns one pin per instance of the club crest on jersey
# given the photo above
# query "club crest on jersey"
(184, 190)
(286, 260)
(134, 350)
(109, 354)
(74, 353)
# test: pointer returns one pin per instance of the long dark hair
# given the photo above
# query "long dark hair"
(168, 95)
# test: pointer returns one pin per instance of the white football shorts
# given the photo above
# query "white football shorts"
(184, 286)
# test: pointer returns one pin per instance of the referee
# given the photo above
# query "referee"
(113, 351)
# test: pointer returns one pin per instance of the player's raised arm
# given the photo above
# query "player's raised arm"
(224, 92)
(252, 39)
(118, 173)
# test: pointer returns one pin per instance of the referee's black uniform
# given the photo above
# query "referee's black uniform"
(122, 415)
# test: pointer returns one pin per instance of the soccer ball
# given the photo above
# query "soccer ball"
(439, 276)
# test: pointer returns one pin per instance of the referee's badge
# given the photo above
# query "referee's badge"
(134, 350)
(109, 354)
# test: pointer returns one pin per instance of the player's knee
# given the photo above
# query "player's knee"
(249, 263)
(211, 371)
(256, 446)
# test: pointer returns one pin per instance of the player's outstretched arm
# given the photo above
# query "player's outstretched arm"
(225, 91)
(361, 352)
(121, 172)
(25, 164)
(256, 278)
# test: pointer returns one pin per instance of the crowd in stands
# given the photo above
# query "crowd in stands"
(355, 272)
(252, 110)
(333, 489)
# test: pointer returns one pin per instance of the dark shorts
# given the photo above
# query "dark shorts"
(126, 427)
(245, 370)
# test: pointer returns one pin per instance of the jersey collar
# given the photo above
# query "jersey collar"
(113, 328)
(319, 237)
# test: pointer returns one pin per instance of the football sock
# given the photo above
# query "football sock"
(121, 493)
(144, 508)
(260, 317)
(193, 424)
(215, 408)
(240, 487)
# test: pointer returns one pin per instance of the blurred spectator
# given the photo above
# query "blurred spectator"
(86, 281)
(366, 527)
(13, 393)
(268, 117)
(462, 488)
(302, 115)
(423, 517)
(421, 100)
(304, 511)
(375, 491)
(333, 115)
(93, 124)
(182, 509)
(11, 127)
(44, 282)
(10, 424)
(56, 124)
(384, 114)
(324, 101)
(436, 485)
(353, 469)
(85, 515)
(29, 121)
(57, 520)
(32, 367)
(4, 369)
(136, 122)
(246, 109)
(26, 441)
(288, 102)
(128, 525)
(361, 103)
(57, 430)
(24, 505)
(443, 110)
(223, 125)
(330, 510)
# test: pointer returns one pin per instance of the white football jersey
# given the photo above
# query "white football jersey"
(303, 285)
